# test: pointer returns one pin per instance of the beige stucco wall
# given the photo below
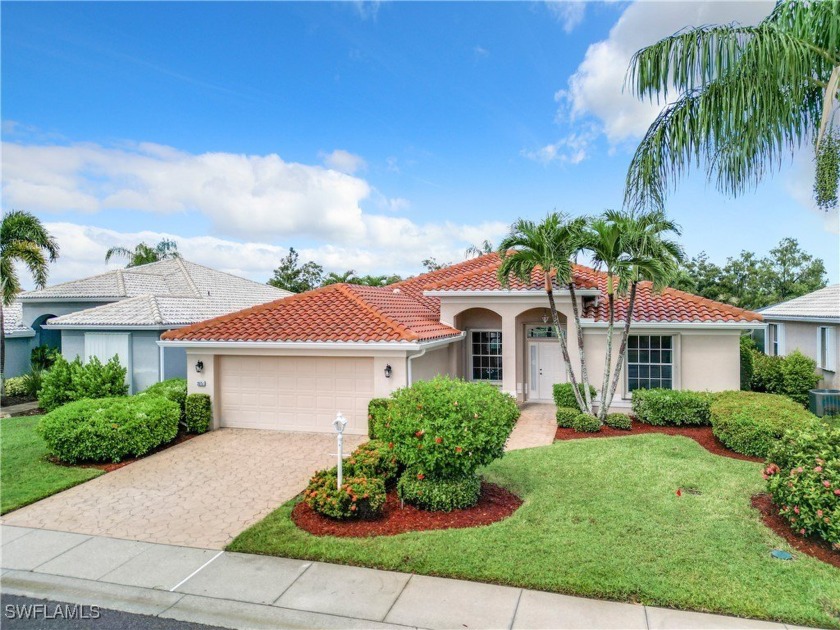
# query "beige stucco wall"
(431, 364)
(802, 336)
(710, 361)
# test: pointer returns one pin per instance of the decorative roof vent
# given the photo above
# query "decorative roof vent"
(397, 290)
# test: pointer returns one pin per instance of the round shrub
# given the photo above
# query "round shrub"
(619, 421)
(448, 428)
(661, 407)
(439, 495)
(584, 423)
(14, 386)
(564, 394)
(565, 416)
(67, 381)
(174, 389)
(198, 410)
(750, 423)
(803, 475)
(358, 497)
(109, 429)
(373, 459)
(378, 409)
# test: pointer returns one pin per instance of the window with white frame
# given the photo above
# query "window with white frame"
(776, 347)
(826, 348)
(650, 362)
(486, 355)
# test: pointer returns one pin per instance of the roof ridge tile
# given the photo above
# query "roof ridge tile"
(401, 329)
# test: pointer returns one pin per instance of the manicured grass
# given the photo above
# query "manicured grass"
(25, 474)
(601, 518)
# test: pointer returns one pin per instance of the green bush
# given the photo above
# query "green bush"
(15, 386)
(803, 475)
(377, 416)
(174, 389)
(43, 357)
(566, 415)
(792, 375)
(358, 497)
(198, 410)
(750, 423)
(373, 459)
(661, 407)
(439, 495)
(109, 429)
(68, 381)
(748, 350)
(446, 427)
(619, 421)
(767, 373)
(585, 423)
(564, 394)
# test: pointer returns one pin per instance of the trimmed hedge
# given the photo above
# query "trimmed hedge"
(803, 475)
(198, 412)
(566, 416)
(174, 389)
(792, 375)
(377, 416)
(358, 497)
(109, 429)
(619, 421)
(751, 423)
(373, 459)
(661, 407)
(68, 381)
(564, 394)
(439, 495)
(585, 423)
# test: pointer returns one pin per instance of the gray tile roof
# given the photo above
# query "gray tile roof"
(821, 304)
(13, 321)
(167, 293)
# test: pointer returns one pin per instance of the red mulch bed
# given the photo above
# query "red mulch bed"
(702, 435)
(494, 504)
(110, 467)
(813, 546)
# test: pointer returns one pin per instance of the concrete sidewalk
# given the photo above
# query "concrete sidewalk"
(235, 590)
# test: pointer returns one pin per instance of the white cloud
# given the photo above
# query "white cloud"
(596, 88)
(572, 149)
(569, 13)
(344, 161)
(480, 52)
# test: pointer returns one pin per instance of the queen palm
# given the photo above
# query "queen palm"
(546, 248)
(143, 254)
(748, 96)
(23, 239)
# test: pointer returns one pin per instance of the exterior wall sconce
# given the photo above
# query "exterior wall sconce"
(545, 317)
(388, 371)
(199, 366)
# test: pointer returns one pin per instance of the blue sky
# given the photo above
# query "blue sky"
(366, 135)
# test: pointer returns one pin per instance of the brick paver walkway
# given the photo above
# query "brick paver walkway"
(535, 427)
(200, 493)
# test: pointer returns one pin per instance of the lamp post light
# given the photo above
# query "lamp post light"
(338, 424)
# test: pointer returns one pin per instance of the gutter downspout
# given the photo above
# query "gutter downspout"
(416, 355)
(433, 344)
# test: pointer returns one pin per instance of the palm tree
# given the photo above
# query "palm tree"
(486, 247)
(646, 254)
(143, 254)
(23, 239)
(338, 278)
(748, 95)
(547, 248)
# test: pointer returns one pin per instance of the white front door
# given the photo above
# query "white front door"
(546, 369)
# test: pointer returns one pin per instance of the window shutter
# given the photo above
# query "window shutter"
(830, 350)
(818, 354)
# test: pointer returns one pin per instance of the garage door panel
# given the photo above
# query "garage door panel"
(295, 393)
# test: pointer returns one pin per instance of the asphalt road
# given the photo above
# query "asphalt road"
(50, 615)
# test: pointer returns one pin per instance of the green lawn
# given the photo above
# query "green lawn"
(25, 474)
(601, 518)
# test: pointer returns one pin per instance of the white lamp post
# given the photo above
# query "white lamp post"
(338, 424)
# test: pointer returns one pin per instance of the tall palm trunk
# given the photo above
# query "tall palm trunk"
(623, 348)
(2, 352)
(584, 374)
(602, 412)
(564, 349)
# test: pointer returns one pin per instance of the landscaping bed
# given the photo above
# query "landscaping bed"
(494, 504)
(700, 434)
(182, 436)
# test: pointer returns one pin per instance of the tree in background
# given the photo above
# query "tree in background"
(748, 96)
(295, 277)
(23, 239)
(431, 264)
(143, 254)
(338, 278)
(474, 251)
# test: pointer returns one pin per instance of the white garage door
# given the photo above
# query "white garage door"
(295, 393)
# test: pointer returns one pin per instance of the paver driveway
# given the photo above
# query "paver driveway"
(200, 493)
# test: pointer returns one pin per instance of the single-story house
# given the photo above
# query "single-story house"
(19, 340)
(124, 312)
(809, 324)
(292, 364)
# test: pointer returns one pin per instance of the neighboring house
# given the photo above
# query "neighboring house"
(19, 340)
(293, 364)
(809, 324)
(125, 311)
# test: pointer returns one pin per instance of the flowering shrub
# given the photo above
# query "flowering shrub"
(67, 381)
(750, 423)
(619, 421)
(358, 497)
(373, 459)
(439, 495)
(109, 429)
(803, 475)
(447, 428)
(564, 395)
(174, 389)
(584, 423)
(377, 415)
(671, 406)
(565, 416)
